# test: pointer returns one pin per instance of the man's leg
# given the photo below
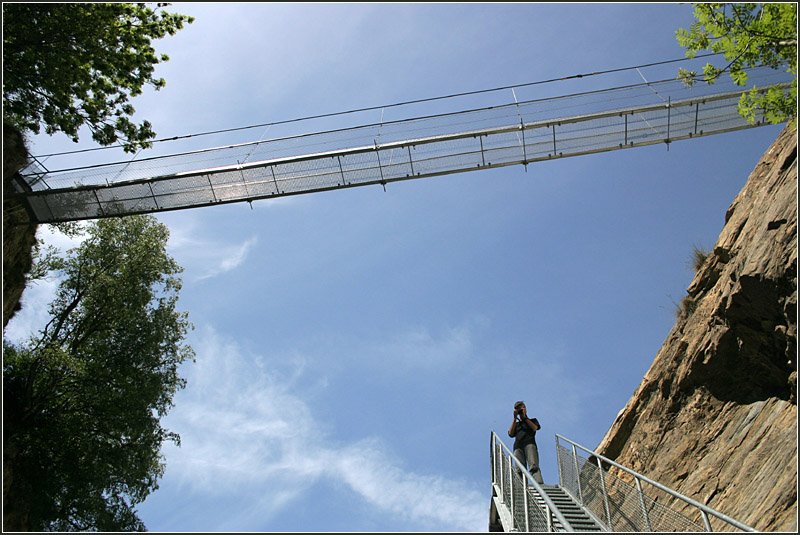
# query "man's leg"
(532, 454)
(520, 455)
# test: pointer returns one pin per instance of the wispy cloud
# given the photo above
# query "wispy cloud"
(198, 254)
(415, 348)
(246, 427)
(419, 348)
(228, 258)
(418, 497)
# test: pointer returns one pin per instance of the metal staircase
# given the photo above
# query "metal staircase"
(590, 497)
(575, 515)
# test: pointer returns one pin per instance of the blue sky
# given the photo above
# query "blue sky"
(355, 348)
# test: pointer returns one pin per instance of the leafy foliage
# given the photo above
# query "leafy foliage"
(748, 35)
(66, 65)
(82, 401)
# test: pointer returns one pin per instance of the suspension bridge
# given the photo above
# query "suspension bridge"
(380, 153)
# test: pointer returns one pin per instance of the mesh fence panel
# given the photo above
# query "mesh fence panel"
(537, 515)
(620, 505)
(521, 133)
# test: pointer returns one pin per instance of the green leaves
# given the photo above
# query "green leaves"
(84, 398)
(70, 65)
(747, 35)
(739, 77)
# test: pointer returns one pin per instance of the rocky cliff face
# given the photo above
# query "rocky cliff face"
(715, 417)
(19, 234)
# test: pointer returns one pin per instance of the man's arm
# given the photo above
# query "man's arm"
(533, 423)
(512, 431)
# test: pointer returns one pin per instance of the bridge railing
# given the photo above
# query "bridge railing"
(630, 501)
(530, 507)
(378, 154)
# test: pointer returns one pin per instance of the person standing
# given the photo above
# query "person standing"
(523, 431)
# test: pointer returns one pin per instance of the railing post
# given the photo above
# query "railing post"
(341, 170)
(491, 456)
(626, 129)
(99, 204)
(558, 461)
(605, 493)
(208, 176)
(646, 515)
(706, 521)
(152, 193)
(524, 150)
(380, 168)
(241, 174)
(525, 504)
(502, 481)
(511, 491)
(274, 179)
(577, 474)
(669, 119)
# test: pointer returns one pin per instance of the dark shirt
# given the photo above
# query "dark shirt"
(524, 434)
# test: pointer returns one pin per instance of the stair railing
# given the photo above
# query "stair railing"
(515, 487)
(620, 506)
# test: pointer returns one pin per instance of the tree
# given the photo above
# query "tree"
(66, 65)
(83, 399)
(747, 35)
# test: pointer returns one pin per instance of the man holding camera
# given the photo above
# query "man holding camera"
(523, 430)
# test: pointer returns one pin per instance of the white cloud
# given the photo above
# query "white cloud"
(237, 256)
(422, 498)
(244, 429)
(207, 257)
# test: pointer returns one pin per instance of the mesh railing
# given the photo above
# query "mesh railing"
(626, 501)
(529, 507)
(519, 133)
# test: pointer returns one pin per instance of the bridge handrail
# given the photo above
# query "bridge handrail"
(551, 507)
(375, 146)
(413, 142)
(704, 509)
(190, 184)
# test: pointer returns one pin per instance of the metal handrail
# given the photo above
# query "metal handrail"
(402, 144)
(552, 510)
(704, 509)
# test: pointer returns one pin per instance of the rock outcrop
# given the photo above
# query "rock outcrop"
(19, 234)
(715, 416)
